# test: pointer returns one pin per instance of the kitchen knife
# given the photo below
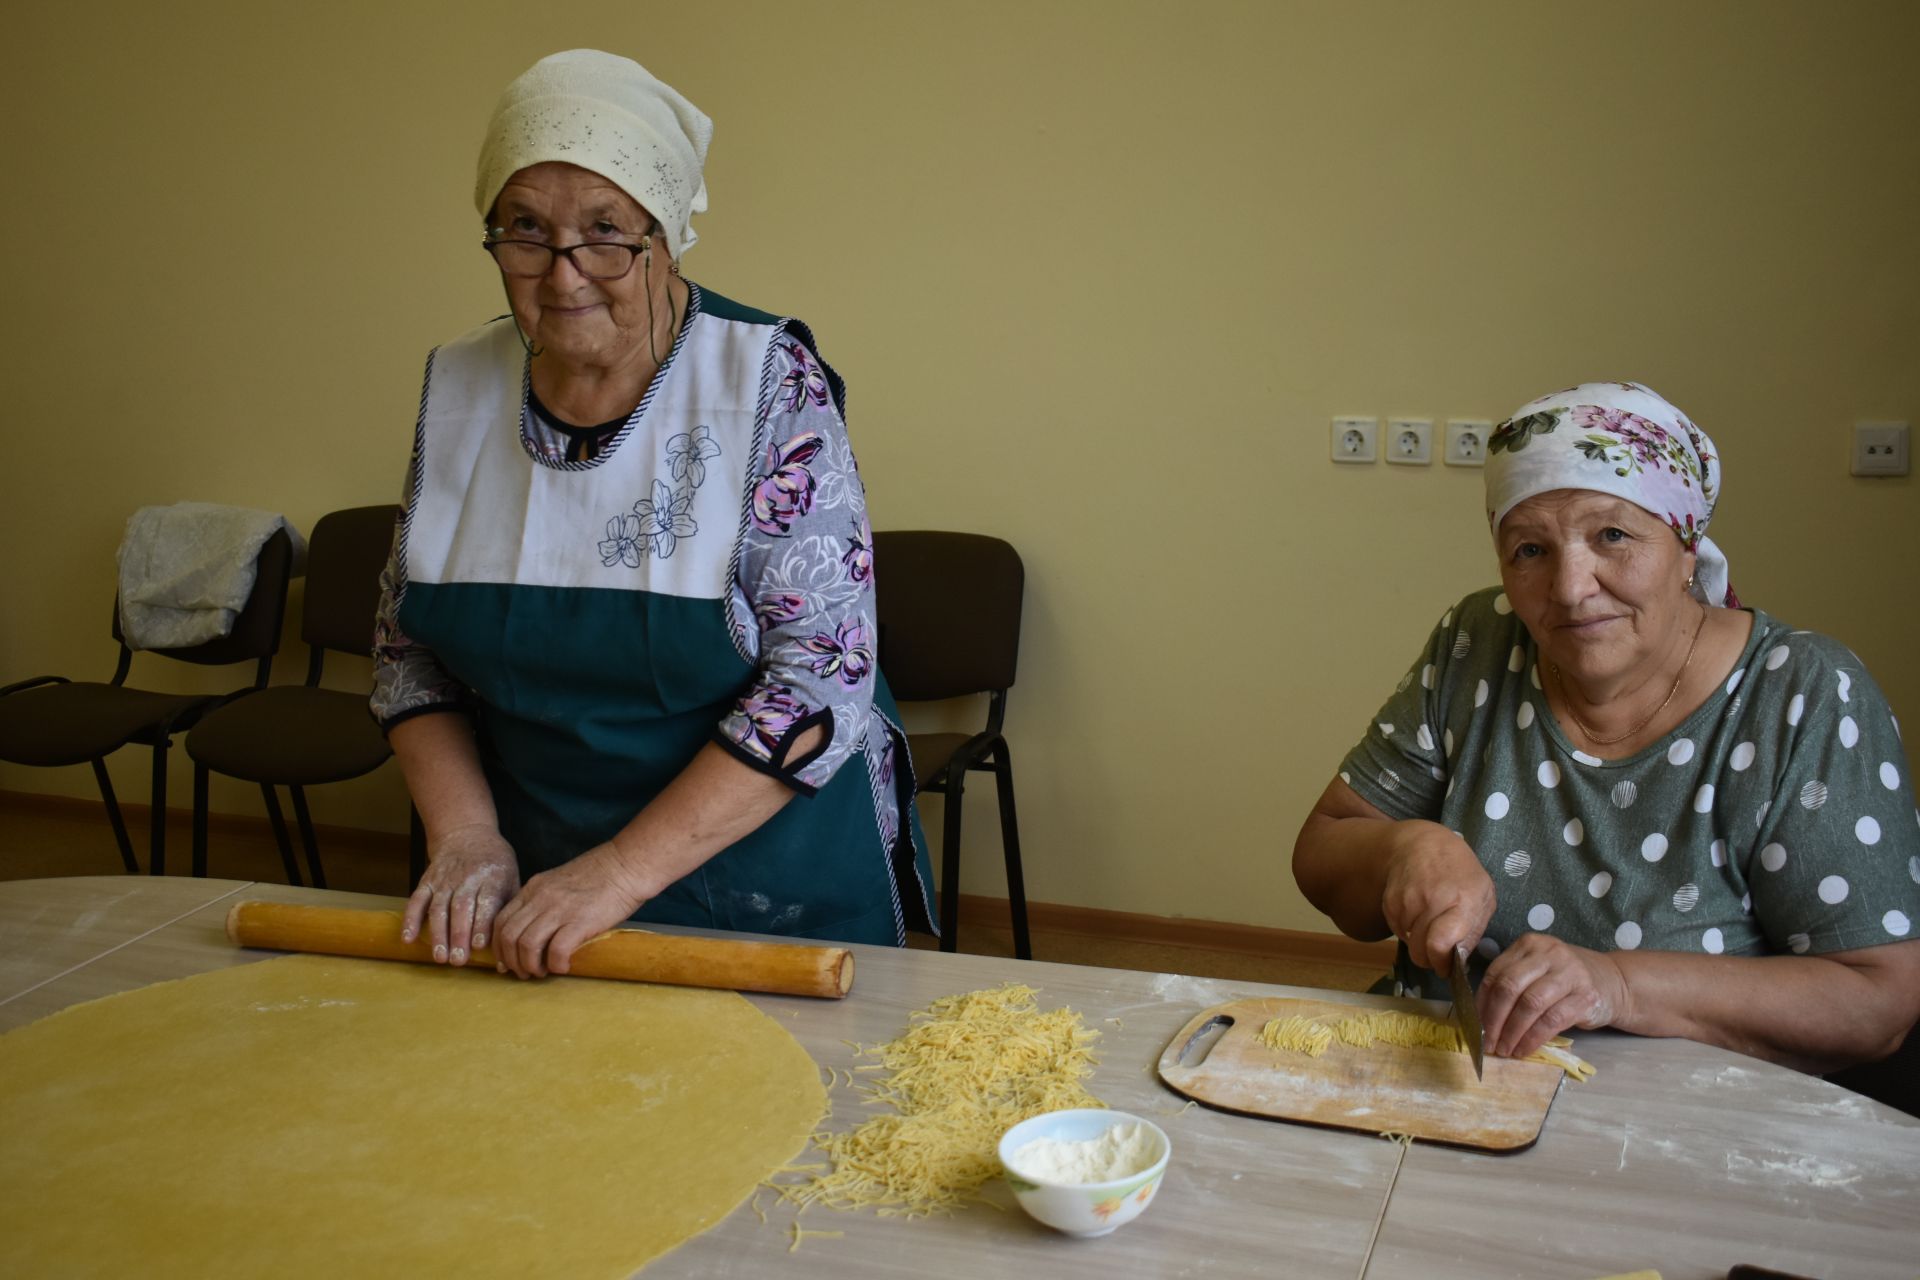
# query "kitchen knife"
(1465, 1012)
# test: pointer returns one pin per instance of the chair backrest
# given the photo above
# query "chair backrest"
(949, 607)
(256, 629)
(345, 555)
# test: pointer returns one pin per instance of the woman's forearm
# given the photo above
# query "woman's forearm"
(1340, 864)
(1813, 1013)
(713, 803)
(1348, 854)
(441, 764)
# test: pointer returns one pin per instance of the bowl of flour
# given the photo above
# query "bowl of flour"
(1085, 1172)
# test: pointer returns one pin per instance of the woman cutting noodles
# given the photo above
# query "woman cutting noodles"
(626, 638)
(1640, 805)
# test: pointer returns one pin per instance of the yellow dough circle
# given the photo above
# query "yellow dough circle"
(312, 1116)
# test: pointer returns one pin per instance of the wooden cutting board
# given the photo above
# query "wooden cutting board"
(1428, 1093)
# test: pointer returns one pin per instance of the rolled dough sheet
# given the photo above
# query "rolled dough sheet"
(323, 1117)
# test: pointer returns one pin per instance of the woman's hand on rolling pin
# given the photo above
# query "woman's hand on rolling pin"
(1540, 986)
(471, 874)
(1437, 894)
(539, 930)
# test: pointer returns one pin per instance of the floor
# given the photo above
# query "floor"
(37, 841)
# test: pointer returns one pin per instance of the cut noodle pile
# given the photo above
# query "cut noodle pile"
(1301, 1035)
(969, 1068)
(1314, 1036)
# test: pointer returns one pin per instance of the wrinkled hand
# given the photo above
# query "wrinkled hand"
(1540, 986)
(559, 909)
(470, 874)
(1437, 894)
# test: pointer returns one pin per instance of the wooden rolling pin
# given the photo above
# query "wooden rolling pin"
(632, 955)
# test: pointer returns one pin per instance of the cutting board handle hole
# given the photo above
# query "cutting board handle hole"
(1201, 1042)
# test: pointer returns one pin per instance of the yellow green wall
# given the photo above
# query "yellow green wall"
(1098, 274)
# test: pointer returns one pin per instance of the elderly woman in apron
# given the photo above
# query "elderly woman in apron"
(625, 651)
(1633, 802)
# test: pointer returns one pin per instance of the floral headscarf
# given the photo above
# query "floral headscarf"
(1618, 438)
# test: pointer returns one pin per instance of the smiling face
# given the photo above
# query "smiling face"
(582, 322)
(1599, 582)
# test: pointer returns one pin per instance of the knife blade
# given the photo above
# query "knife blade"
(1465, 1012)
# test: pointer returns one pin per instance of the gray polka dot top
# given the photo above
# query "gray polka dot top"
(1778, 817)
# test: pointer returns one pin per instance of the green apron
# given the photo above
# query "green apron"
(589, 698)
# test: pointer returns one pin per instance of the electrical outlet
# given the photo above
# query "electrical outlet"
(1880, 449)
(1355, 439)
(1467, 442)
(1410, 441)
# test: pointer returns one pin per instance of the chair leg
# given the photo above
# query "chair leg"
(279, 823)
(199, 820)
(307, 838)
(950, 859)
(113, 816)
(1010, 842)
(416, 848)
(157, 829)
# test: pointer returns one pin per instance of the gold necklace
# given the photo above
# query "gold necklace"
(1560, 682)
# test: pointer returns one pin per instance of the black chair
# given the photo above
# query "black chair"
(299, 736)
(949, 613)
(51, 720)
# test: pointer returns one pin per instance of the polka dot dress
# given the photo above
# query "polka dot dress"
(1778, 817)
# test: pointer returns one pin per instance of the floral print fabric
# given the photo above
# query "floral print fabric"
(1619, 438)
(654, 528)
(805, 605)
(407, 679)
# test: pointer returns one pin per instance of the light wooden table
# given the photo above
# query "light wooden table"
(1677, 1156)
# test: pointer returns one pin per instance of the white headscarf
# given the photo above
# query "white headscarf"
(610, 116)
(1619, 438)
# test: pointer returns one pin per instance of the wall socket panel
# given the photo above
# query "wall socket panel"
(1409, 441)
(1880, 449)
(1466, 444)
(1355, 439)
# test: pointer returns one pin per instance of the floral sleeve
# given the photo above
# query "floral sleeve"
(407, 679)
(806, 581)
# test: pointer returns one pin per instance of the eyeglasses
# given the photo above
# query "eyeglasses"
(532, 259)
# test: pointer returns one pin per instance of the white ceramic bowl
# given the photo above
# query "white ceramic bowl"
(1083, 1208)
